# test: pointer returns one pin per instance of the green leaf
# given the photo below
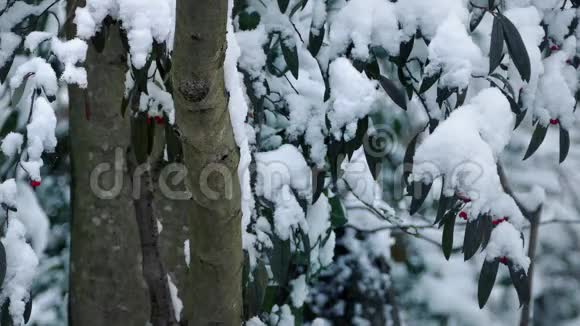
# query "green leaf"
(564, 143)
(443, 94)
(254, 290)
(99, 39)
(318, 177)
(315, 40)
(419, 192)
(485, 227)
(461, 96)
(270, 297)
(291, 58)
(537, 139)
(394, 92)
(405, 50)
(335, 157)
(445, 203)
(476, 18)
(9, 125)
(337, 214)
(126, 101)
(486, 280)
(516, 48)
(27, 309)
(505, 82)
(521, 283)
(283, 5)
(140, 138)
(359, 137)
(174, 148)
(408, 158)
(6, 69)
(472, 239)
(519, 117)
(447, 238)
(429, 81)
(491, 4)
(2, 263)
(124, 40)
(248, 21)
(141, 77)
(280, 260)
(374, 155)
(496, 45)
(5, 318)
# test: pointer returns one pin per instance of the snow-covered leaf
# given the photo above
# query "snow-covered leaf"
(394, 92)
(337, 214)
(445, 203)
(27, 310)
(521, 282)
(475, 18)
(419, 191)
(291, 56)
(405, 50)
(19, 91)
(315, 40)
(429, 81)
(248, 21)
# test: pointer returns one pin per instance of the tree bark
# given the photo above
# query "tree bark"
(106, 284)
(211, 158)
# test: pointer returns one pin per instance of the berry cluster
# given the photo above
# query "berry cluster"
(499, 221)
(157, 119)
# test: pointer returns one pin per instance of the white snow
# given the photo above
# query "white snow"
(299, 291)
(21, 266)
(177, 304)
(186, 252)
(12, 143)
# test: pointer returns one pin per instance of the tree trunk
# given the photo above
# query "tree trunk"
(106, 284)
(211, 158)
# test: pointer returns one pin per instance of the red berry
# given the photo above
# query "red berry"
(159, 120)
(504, 260)
(554, 47)
(34, 183)
(554, 121)
(149, 119)
(463, 215)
